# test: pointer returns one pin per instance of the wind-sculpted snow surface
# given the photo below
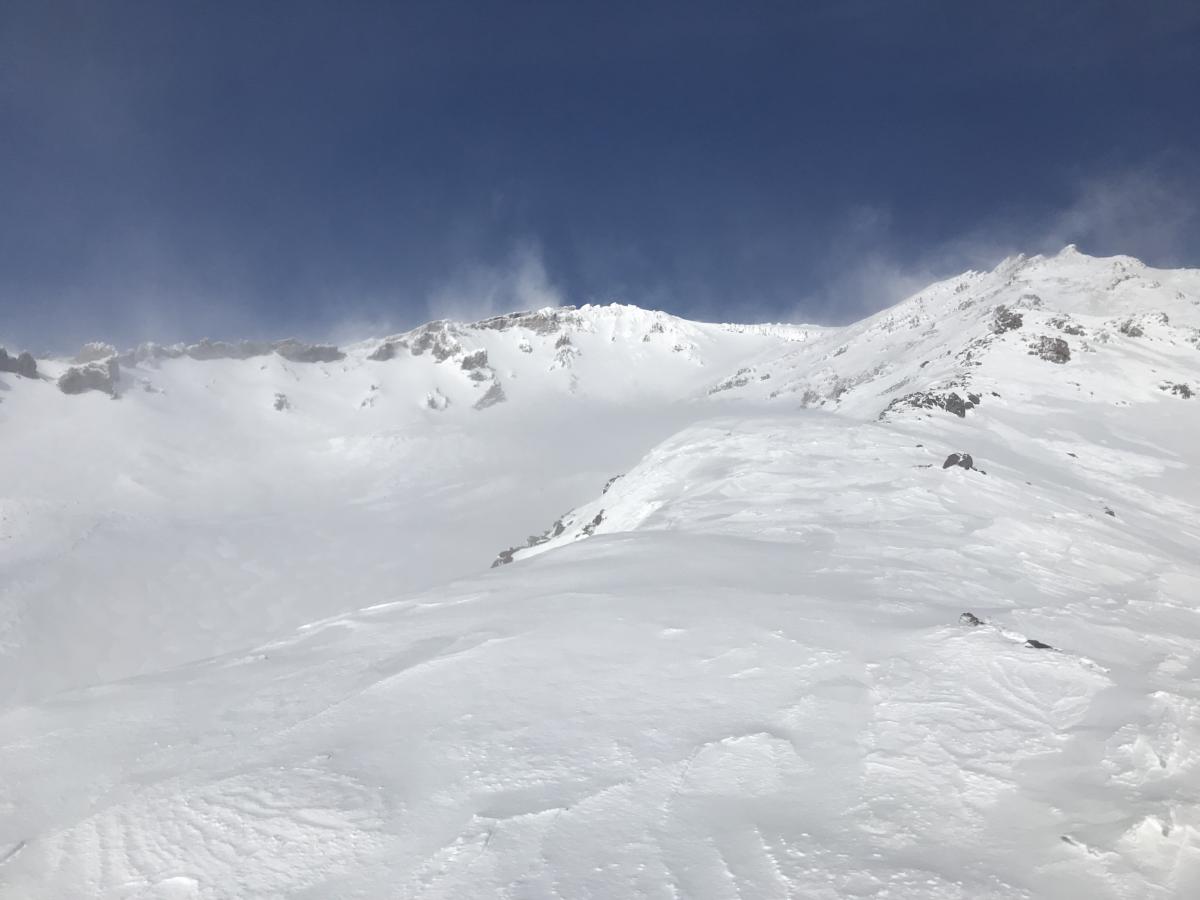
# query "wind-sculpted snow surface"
(755, 684)
(791, 652)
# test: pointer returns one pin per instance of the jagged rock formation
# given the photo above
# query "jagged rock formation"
(94, 376)
(23, 364)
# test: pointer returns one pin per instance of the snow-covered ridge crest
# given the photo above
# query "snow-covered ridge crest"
(988, 332)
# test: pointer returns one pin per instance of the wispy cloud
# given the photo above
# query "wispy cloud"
(1146, 211)
(478, 290)
(1149, 211)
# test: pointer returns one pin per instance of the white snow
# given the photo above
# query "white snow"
(737, 672)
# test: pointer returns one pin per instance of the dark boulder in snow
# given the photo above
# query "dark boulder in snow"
(94, 376)
(282, 404)
(1066, 325)
(1004, 319)
(24, 364)
(970, 619)
(1051, 349)
(1130, 328)
(1037, 645)
(962, 460)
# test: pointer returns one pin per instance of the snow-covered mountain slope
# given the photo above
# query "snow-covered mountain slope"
(740, 669)
(231, 490)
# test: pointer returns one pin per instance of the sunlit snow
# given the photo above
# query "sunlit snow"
(257, 649)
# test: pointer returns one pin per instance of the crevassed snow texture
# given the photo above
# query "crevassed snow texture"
(739, 671)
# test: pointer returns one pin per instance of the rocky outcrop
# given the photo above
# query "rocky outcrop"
(740, 378)
(23, 364)
(1051, 349)
(476, 360)
(504, 557)
(1066, 325)
(300, 352)
(1178, 389)
(962, 460)
(282, 404)
(542, 321)
(950, 401)
(494, 395)
(388, 349)
(437, 339)
(94, 376)
(1004, 319)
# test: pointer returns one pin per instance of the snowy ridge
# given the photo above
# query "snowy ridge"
(740, 669)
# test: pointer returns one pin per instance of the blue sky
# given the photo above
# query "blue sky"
(170, 170)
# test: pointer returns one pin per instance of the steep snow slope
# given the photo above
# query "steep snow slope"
(231, 490)
(740, 670)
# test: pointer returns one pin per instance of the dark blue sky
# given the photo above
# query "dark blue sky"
(176, 169)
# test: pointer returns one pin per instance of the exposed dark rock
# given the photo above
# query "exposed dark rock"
(494, 395)
(542, 321)
(94, 376)
(437, 339)
(282, 404)
(388, 350)
(609, 484)
(1179, 390)
(1130, 328)
(1037, 645)
(740, 378)
(563, 341)
(969, 619)
(23, 364)
(1109, 512)
(951, 402)
(297, 351)
(590, 528)
(476, 360)
(1051, 349)
(504, 557)
(962, 460)
(1066, 325)
(1004, 319)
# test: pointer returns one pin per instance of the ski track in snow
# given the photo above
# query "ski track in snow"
(738, 672)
